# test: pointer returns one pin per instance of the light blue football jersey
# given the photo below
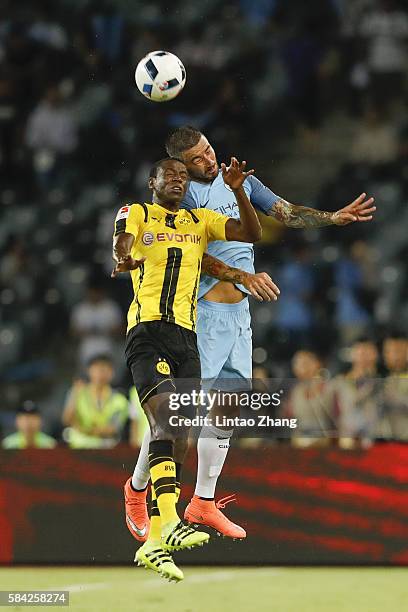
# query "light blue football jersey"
(218, 196)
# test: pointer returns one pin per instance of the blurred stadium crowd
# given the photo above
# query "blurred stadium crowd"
(313, 94)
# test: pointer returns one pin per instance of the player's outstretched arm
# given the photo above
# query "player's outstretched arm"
(260, 285)
(247, 228)
(360, 209)
(122, 246)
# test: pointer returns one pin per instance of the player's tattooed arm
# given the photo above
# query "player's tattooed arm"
(300, 216)
(260, 285)
(124, 262)
(360, 209)
(218, 269)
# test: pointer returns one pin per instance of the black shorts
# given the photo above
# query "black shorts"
(157, 353)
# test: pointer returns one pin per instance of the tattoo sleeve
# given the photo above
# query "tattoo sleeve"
(218, 269)
(301, 216)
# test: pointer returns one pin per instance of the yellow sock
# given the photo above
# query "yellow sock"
(155, 522)
(163, 476)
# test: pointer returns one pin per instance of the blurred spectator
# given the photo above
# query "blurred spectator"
(354, 297)
(28, 434)
(138, 420)
(44, 29)
(14, 261)
(296, 281)
(95, 414)
(8, 126)
(97, 322)
(204, 47)
(386, 31)
(310, 402)
(376, 140)
(52, 134)
(303, 55)
(19, 270)
(395, 353)
(395, 400)
(25, 58)
(257, 12)
(357, 396)
(107, 29)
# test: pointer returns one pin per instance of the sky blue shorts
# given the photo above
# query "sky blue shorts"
(224, 341)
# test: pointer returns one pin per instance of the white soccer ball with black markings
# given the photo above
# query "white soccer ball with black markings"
(160, 76)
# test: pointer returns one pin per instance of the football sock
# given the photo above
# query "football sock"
(178, 480)
(141, 473)
(155, 522)
(163, 475)
(212, 448)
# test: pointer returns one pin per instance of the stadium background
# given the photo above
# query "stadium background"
(295, 88)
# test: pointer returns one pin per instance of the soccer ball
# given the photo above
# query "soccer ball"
(160, 76)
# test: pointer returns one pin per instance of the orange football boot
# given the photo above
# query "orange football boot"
(207, 512)
(137, 517)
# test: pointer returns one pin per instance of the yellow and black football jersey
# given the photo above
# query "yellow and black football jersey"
(165, 286)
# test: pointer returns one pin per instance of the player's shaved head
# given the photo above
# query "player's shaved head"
(181, 139)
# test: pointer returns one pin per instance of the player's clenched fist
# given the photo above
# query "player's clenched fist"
(261, 286)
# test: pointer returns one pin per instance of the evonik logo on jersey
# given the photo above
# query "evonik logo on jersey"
(174, 237)
(148, 238)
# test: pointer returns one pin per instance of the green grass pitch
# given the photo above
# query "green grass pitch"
(218, 589)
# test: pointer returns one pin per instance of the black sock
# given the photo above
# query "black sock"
(178, 475)
(137, 490)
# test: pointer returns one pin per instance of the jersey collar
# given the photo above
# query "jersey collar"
(166, 210)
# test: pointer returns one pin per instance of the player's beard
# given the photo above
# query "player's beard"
(204, 177)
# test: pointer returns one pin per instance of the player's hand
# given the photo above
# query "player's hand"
(126, 264)
(261, 287)
(234, 175)
(359, 210)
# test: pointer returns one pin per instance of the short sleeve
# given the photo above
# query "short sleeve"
(215, 224)
(262, 198)
(128, 219)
